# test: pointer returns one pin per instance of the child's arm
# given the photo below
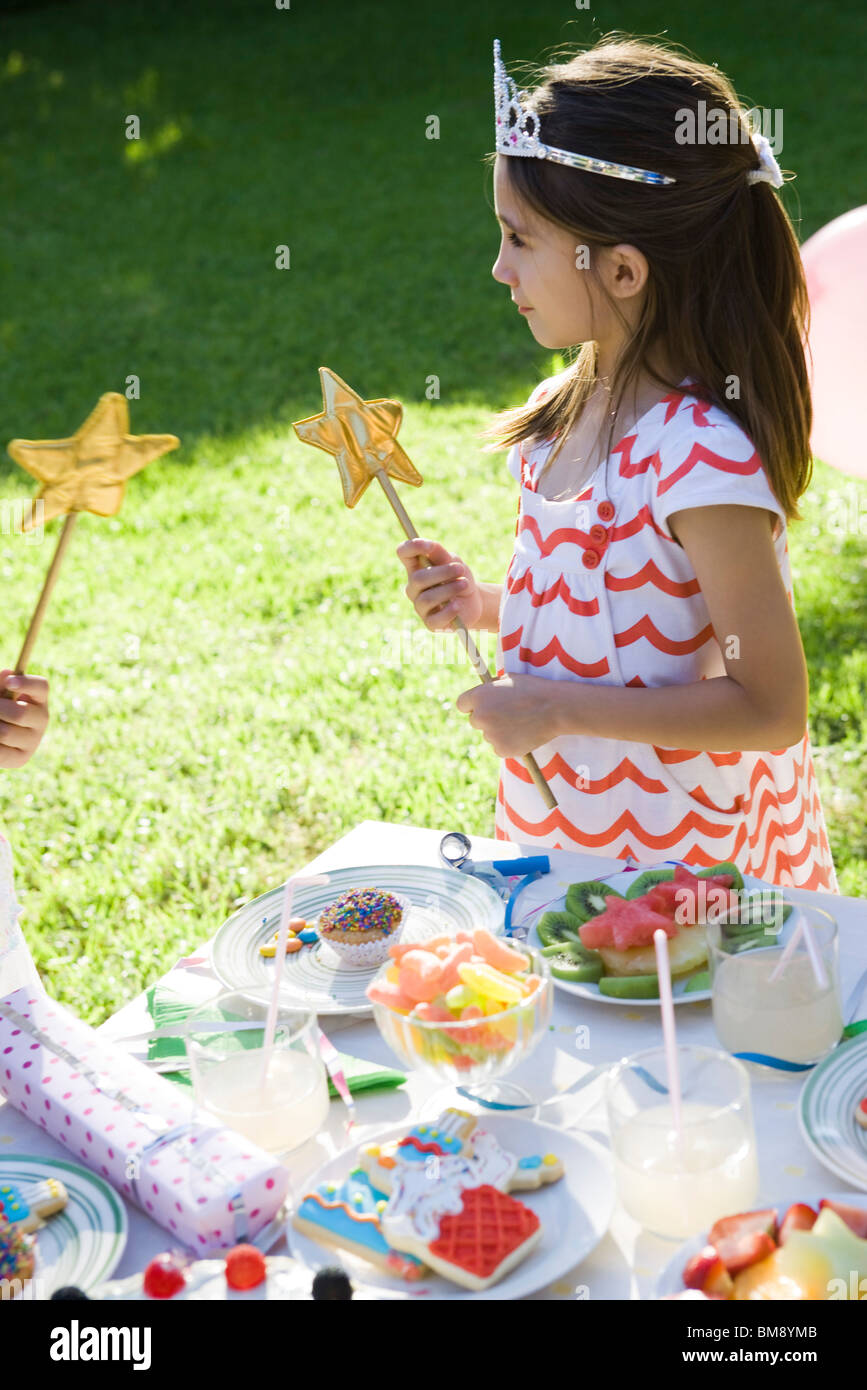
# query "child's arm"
(761, 702)
(447, 589)
(24, 719)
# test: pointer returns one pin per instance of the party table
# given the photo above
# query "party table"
(584, 1035)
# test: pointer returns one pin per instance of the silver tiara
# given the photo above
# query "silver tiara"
(517, 133)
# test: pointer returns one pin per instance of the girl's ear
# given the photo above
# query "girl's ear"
(625, 270)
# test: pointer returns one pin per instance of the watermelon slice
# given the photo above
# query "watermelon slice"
(744, 1239)
(667, 897)
(625, 923)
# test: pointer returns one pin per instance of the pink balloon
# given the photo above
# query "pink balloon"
(835, 262)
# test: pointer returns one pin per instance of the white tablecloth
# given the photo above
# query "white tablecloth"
(627, 1262)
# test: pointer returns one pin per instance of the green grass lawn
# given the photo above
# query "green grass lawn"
(231, 688)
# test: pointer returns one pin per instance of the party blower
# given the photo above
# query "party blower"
(362, 436)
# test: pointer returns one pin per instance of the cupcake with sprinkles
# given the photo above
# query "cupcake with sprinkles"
(361, 925)
(17, 1256)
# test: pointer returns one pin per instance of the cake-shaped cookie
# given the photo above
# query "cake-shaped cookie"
(361, 925)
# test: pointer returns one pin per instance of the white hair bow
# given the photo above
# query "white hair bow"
(769, 170)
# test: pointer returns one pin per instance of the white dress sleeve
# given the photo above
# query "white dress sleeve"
(709, 464)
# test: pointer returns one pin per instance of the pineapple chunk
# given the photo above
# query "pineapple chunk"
(687, 952)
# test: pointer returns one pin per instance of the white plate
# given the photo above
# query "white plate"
(827, 1111)
(574, 1212)
(82, 1244)
(671, 1279)
(537, 899)
(443, 900)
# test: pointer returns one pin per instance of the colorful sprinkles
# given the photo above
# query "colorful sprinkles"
(362, 910)
(16, 1253)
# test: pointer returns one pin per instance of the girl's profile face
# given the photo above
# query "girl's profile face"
(537, 260)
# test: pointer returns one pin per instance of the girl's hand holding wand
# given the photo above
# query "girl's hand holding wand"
(23, 717)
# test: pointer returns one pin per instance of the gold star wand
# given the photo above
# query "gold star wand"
(362, 436)
(85, 473)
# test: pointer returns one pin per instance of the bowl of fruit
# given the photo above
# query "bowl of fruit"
(813, 1251)
(599, 943)
(465, 1008)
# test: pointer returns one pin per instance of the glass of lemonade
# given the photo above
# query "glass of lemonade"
(679, 1185)
(278, 1111)
(763, 1007)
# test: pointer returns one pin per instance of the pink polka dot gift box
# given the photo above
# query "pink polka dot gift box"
(208, 1186)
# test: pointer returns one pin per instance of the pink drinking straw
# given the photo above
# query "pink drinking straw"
(803, 929)
(663, 968)
(271, 1021)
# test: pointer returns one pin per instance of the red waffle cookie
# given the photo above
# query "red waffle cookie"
(491, 1234)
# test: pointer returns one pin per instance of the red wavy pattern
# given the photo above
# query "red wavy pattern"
(699, 454)
(645, 627)
(564, 535)
(584, 607)
(650, 573)
(699, 408)
(553, 651)
(625, 771)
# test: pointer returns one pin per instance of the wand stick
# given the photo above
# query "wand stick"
(478, 662)
(50, 578)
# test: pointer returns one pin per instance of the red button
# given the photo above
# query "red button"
(598, 534)
(606, 511)
(591, 559)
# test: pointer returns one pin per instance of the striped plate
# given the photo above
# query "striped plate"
(82, 1244)
(827, 1111)
(443, 900)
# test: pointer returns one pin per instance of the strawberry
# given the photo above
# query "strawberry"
(707, 1273)
(799, 1217)
(744, 1239)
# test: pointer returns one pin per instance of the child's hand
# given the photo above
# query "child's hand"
(515, 713)
(443, 592)
(23, 719)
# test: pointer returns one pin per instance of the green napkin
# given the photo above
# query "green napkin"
(166, 1007)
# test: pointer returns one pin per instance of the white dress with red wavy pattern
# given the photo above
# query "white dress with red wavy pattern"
(599, 590)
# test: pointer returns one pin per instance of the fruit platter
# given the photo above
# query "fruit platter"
(598, 939)
(812, 1251)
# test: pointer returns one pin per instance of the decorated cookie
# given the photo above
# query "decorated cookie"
(537, 1170)
(29, 1207)
(347, 1216)
(861, 1112)
(488, 1236)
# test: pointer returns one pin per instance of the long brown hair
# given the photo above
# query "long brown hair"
(726, 291)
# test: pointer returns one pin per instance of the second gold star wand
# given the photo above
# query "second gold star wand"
(362, 436)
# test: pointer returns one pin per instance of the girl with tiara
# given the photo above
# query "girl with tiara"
(23, 721)
(648, 649)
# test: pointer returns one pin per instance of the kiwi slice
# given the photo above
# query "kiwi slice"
(700, 980)
(567, 966)
(757, 911)
(645, 881)
(556, 928)
(727, 868)
(630, 986)
(586, 900)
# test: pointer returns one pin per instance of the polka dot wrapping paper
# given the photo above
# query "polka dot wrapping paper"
(207, 1186)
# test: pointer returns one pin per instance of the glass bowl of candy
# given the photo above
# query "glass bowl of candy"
(465, 1008)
